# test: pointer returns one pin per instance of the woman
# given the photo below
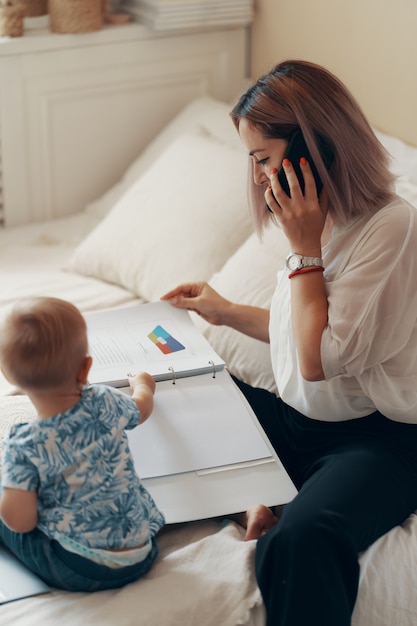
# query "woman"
(343, 335)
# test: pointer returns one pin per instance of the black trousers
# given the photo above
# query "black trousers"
(356, 479)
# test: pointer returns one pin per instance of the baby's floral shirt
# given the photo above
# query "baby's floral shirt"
(81, 466)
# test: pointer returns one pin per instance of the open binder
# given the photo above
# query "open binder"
(202, 452)
(154, 337)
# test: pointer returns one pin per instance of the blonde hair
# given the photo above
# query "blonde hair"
(43, 342)
(299, 94)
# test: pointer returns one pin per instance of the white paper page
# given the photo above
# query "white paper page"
(156, 338)
(199, 422)
(192, 496)
(16, 580)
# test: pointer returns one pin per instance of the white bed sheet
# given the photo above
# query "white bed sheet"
(32, 269)
(202, 577)
(32, 258)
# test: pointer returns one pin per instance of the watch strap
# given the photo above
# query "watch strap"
(303, 261)
(311, 261)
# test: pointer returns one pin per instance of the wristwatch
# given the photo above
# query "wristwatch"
(296, 262)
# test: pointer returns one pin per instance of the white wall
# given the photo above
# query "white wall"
(370, 44)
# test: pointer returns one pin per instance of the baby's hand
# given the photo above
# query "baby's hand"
(143, 389)
(142, 378)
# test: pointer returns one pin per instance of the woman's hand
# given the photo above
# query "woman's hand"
(202, 299)
(302, 217)
(303, 220)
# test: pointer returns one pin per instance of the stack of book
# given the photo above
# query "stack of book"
(163, 15)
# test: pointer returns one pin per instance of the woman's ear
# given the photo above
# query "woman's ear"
(82, 376)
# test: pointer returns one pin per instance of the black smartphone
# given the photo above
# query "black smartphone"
(296, 149)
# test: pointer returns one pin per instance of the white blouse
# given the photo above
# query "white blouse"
(369, 346)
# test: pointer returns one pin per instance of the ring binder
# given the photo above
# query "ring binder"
(179, 346)
(174, 378)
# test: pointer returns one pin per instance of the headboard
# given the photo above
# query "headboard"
(75, 110)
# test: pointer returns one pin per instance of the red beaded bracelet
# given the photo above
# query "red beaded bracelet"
(307, 270)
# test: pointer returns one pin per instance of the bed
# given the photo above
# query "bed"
(130, 244)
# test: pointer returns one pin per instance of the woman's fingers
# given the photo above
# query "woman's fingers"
(310, 187)
(276, 192)
(188, 290)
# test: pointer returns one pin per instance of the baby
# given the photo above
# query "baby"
(72, 507)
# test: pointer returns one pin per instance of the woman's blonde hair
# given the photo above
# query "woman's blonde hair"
(43, 342)
(299, 94)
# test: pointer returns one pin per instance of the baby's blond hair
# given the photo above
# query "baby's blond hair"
(43, 342)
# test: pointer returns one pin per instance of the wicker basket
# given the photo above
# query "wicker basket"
(11, 20)
(33, 8)
(75, 16)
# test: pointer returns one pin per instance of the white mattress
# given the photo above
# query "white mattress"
(188, 574)
(32, 258)
(197, 587)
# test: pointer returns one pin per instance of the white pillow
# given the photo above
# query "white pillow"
(248, 277)
(202, 114)
(403, 155)
(178, 222)
(406, 189)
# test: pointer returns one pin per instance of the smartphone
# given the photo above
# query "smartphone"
(296, 149)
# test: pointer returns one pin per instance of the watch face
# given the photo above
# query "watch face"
(293, 262)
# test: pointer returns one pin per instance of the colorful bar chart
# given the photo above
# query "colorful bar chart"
(165, 341)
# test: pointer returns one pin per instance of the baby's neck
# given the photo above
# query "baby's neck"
(49, 404)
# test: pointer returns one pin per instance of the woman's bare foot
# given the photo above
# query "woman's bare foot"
(257, 520)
